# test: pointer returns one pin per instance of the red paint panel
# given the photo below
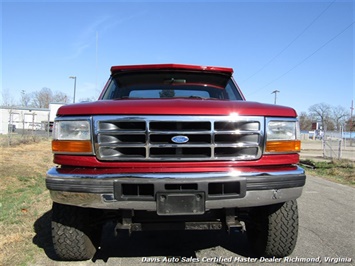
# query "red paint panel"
(115, 69)
(159, 167)
(175, 107)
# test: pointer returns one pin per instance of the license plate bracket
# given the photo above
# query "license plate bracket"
(180, 203)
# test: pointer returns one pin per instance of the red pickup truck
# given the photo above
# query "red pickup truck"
(174, 147)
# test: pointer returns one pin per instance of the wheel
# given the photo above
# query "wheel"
(272, 230)
(74, 235)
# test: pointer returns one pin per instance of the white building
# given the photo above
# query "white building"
(23, 118)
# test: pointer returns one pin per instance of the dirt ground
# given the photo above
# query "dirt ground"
(313, 149)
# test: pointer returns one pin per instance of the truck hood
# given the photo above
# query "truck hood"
(176, 106)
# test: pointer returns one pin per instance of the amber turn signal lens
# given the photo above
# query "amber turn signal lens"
(283, 146)
(71, 146)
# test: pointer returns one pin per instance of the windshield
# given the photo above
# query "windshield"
(171, 84)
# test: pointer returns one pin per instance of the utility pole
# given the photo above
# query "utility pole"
(351, 121)
(74, 77)
(275, 92)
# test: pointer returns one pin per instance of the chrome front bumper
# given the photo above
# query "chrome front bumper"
(98, 189)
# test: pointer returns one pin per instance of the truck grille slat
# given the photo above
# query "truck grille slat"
(123, 139)
(178, 138)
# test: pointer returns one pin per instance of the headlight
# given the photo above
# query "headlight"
(281, 130)
(282, 136)
(72, 137)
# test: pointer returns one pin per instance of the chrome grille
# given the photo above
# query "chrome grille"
(149, 138)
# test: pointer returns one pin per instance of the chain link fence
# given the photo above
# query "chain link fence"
(338, 145)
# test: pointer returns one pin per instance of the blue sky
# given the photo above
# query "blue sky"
(304, 49)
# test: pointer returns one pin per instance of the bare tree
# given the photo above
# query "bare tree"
(60, 97)
(167, 94)
(339, 115)
(322, 113)
(305, 121)
(350, 124)
(42, 98)
(7, 99)
(25, 98)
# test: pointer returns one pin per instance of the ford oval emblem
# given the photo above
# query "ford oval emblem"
(180, 139)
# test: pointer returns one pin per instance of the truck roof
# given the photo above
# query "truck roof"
(225, 70)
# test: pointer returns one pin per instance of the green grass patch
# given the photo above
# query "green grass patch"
(341, 171)
(24, 199)
(16, 201)
(20, 206)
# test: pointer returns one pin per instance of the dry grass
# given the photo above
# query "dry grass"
(341, 171)
(23, 198)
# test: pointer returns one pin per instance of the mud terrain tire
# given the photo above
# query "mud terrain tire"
(272, 230)
(73, 237)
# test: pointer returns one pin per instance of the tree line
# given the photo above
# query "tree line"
(42, 98)
(39, 99)
(330, 118)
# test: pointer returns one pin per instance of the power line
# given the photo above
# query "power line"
(306, 58)
(287, 46)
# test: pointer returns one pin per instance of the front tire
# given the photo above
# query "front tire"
(273, 230)
(74, 236)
